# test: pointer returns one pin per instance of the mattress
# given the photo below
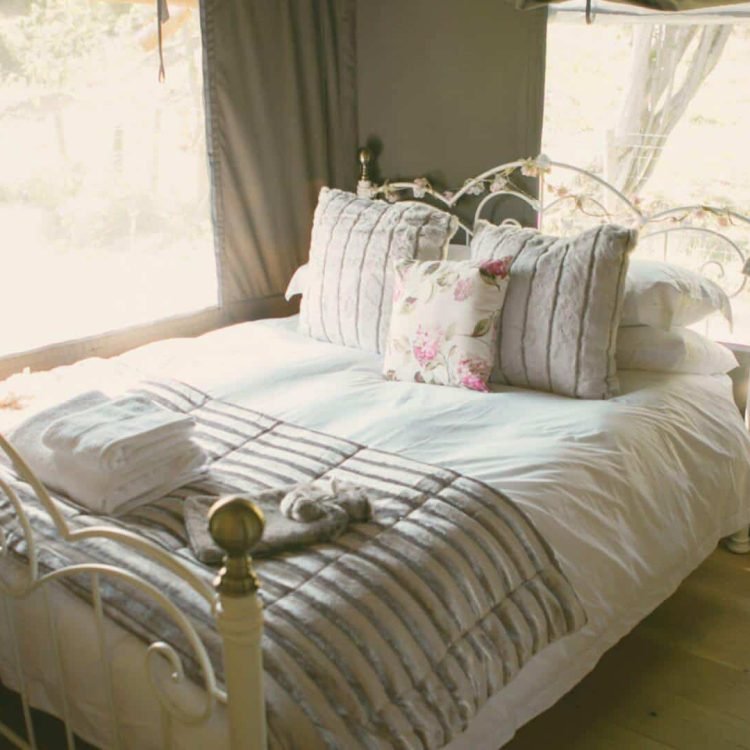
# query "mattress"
(631, 493)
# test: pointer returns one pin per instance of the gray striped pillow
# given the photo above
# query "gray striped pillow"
(558, 328)
(355, 243)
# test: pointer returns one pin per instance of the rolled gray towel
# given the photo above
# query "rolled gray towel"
(330, 506)
(312, 500)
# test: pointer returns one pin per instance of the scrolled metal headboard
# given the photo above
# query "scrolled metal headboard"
(710, 239)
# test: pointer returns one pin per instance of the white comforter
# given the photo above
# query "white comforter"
(631, 493)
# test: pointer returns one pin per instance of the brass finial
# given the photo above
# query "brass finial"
(365, 157)
(236, 525)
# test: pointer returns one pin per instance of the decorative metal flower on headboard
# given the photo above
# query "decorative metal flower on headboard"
(499, 182)
(536, 167)
(704, 215)
(389, 192)
(421, 186)
(474, 187)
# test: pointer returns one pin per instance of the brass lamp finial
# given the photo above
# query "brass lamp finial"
(236, 525)
(365, 157)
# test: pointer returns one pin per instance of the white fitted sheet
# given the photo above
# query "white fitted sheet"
(631, 493)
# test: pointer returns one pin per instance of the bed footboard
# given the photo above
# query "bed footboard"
(183, 704)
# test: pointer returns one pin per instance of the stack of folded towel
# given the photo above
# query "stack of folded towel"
(110, 455)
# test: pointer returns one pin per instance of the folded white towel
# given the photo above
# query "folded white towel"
(27, 436)
(113, 492)
(110, 435)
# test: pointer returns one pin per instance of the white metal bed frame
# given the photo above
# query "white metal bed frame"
(237, 524)
(729, 267)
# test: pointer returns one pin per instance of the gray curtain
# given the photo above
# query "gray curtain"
(280, 87)
(660, 5)
(450, 88)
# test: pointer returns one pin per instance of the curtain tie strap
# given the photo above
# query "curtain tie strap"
(162, 15)
(589, 15)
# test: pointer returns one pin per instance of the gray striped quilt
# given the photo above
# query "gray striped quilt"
(395, 635)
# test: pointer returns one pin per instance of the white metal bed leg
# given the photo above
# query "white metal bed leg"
(739, 543)
(69, 736)
(236, 525)
(104, 660)
(24, 690)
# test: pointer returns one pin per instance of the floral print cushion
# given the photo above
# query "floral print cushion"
(444, 321)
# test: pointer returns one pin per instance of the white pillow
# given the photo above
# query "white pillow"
(678, 350)
(664, 295)
(298, 282)
(355, 242)
(559, 321)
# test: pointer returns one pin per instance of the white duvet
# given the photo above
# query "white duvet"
(631, 493)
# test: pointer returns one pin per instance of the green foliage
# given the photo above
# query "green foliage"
(47, 44)
(104, 141)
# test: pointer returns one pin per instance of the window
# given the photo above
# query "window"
(104, 190)
(659, 105)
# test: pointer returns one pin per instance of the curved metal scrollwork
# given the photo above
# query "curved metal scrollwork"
(164, 664)
(563, 208)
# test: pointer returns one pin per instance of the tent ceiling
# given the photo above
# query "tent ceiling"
(620, 11)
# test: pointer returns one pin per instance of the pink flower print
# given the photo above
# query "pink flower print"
(474, 373)
(474, 383)
(424, 347)
(462, 290)
(497, 268)
(398, 288)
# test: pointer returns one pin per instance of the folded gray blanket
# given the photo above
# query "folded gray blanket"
(297, 516)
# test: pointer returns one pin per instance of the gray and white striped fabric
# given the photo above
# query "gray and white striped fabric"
(355, 242)
(395, 635)
(558, 328)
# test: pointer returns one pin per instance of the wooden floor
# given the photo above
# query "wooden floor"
(680, 680)
(49, 731)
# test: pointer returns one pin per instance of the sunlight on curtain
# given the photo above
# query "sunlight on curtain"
(104, 190)
(660, 110)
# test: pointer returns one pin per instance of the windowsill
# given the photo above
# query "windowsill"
(177, 318)
(25, 343)
(116, 342)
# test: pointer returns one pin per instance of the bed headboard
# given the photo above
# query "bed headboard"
(712, 240)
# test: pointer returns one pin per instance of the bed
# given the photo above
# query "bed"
(589, 475)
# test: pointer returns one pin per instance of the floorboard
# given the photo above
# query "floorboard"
(680, 680)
